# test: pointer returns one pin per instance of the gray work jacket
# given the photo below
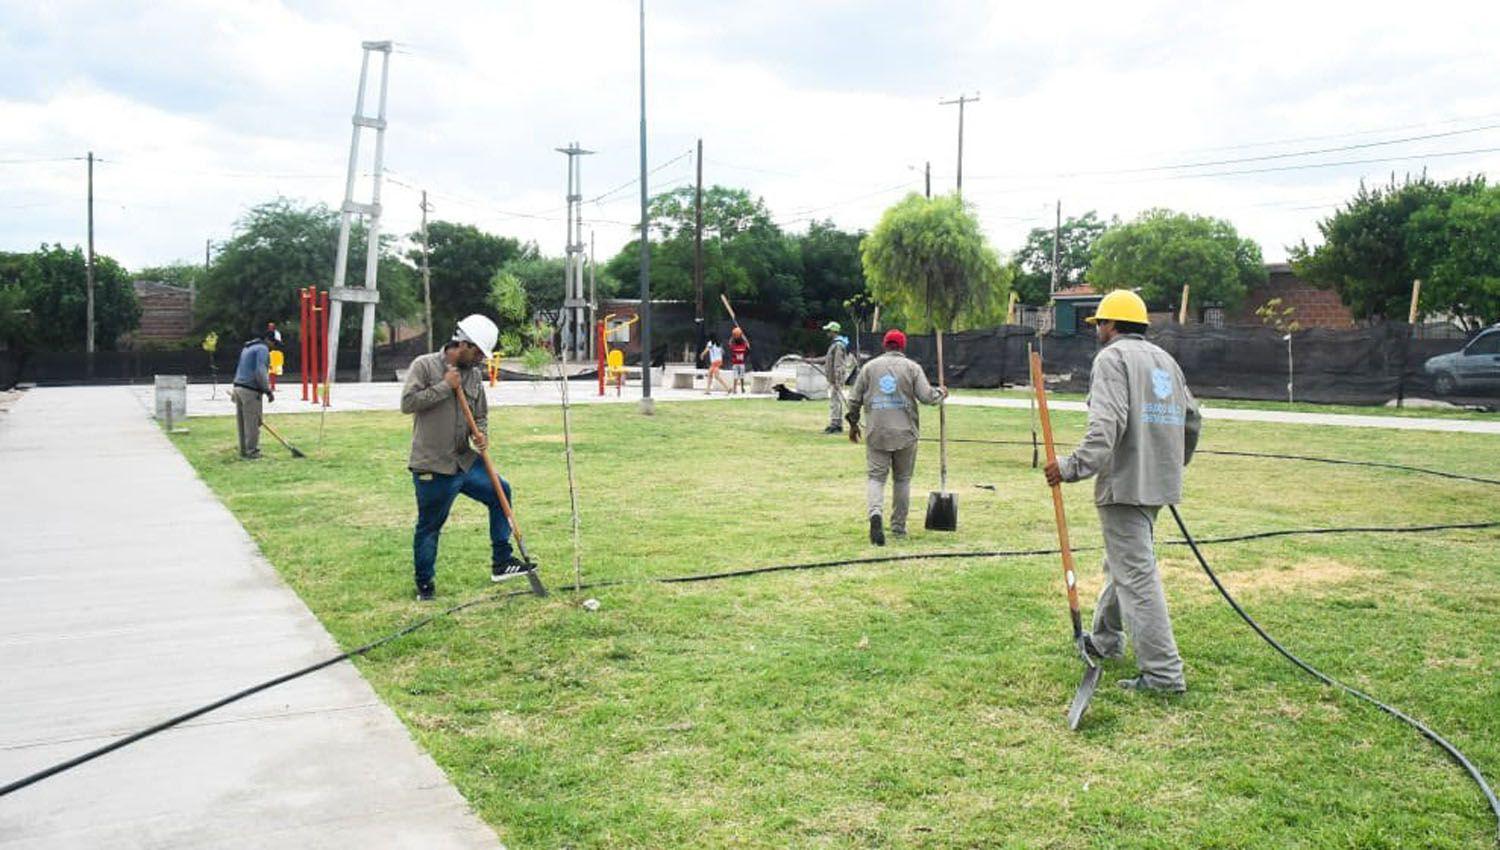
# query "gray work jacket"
(833, 362)
(1143, 426)
(439, 432)
(890, 387)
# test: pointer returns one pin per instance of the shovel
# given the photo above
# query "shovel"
(1091, 669)
(289, 447)
(510, 515)
(942, 506)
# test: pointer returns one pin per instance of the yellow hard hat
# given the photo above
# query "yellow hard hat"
(1122, 305)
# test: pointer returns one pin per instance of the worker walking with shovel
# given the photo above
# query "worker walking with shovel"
(890, 386)
(444, 450)
(1142, 430)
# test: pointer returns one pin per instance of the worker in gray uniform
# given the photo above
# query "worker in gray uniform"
(890, 385)
(835, 363)
(1142, 430)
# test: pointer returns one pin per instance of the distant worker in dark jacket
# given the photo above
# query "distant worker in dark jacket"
(1143, 427)
(890, 385)
(442, 459)
(252, 379)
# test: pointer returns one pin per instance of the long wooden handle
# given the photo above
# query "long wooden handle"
(725, 299)
(489, 466)
(1070, 576)
(942, 419)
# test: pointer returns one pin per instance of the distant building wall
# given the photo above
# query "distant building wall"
(1316, 307)
(166, 312)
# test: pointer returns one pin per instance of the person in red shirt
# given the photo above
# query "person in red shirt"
(739, 356)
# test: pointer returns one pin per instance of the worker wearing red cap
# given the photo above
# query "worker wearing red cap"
(890, 387)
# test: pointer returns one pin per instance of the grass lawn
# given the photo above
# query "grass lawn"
(1413, 411)
(911, 704)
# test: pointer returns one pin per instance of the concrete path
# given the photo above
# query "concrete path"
(129, 594)
(204, 401)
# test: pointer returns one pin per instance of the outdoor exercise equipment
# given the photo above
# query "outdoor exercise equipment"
(1091, 670)
(312, 327)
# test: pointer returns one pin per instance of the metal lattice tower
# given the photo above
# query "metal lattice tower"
(367, 295)
(575, 324)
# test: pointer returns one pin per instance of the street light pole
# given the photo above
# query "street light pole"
(647, 405)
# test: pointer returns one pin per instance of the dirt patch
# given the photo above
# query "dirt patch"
(1311, 574)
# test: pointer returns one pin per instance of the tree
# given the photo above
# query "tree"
(463, 260)
(1032, 264)
(928, 260)
(508, 302)
(1454, 245)
(185, 275)
(832, 272)
(54, 281)
(1161, 250)
(1365, 254)
(279, 248)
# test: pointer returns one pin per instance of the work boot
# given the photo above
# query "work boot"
(877, 534)
(1140, 685)
(833, 429)
(1094, 653)
(509, 569)
(426, 592)
(898, 532)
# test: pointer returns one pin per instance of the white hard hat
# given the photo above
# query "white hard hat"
(478, 330)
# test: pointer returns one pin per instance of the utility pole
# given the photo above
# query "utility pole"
(960, 100)
(647, 406)
(1056, 234)
(927, 178)
(89, 338)
(573, 301)
(426, 272)
(698, 250)
(593, 299)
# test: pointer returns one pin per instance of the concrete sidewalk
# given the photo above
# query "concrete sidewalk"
(129, 594)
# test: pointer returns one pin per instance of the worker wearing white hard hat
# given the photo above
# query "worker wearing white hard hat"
(443, 452)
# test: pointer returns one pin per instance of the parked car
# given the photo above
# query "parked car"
(1476, 364)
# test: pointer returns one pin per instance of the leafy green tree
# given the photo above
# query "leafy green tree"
(928, 260)
(185, 275)
(54, 281)
(832, 271)
(508, 304)
(1365, 255)
(279, 248)
(463, 260)
(1453, 242)
(15, 316)
(745, 255)
(1161, 250)
(1032, 264)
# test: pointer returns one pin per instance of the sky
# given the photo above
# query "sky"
(1267, 114)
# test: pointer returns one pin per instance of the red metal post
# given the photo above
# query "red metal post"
(603, 349)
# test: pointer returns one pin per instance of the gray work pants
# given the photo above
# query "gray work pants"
(881, 463)
(1133, 597)
(247, 413)
(835, 406)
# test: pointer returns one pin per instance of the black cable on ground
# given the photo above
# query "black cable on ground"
(236, 697)
(1448, 747)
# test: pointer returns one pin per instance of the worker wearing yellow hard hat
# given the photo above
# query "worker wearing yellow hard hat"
(1143, 427)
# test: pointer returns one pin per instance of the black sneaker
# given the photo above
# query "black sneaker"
(834, 429)
(509, 568)
(877, 534)
(426, 592)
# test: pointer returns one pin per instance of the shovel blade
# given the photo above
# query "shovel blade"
(942, 511)
(1082, 696)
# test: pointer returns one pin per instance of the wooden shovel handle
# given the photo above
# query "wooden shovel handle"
(489, 465)
(1070, 576)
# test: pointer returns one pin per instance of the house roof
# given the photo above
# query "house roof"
(1082, 290)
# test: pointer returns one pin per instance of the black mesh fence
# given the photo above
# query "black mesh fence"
(1362, 366)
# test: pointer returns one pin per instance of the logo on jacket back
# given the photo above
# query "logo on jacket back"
(888, 384)
(1161, 383)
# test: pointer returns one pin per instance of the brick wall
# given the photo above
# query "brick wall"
(1316, 308)
(166, 312)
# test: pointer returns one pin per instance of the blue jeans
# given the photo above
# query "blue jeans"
(435, 495)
